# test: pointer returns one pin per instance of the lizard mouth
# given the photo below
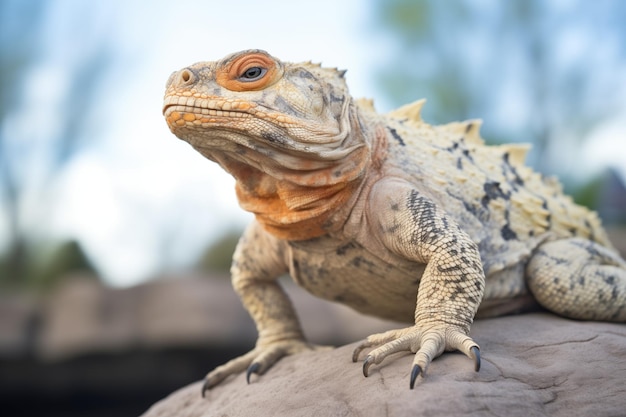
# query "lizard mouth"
(182, 110)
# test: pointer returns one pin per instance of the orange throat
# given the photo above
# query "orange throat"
(307, 203)
(291, 208)
(295, 212)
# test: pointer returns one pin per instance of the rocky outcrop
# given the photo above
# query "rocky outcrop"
(533, 365)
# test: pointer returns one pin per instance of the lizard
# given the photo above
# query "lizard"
(385, 213)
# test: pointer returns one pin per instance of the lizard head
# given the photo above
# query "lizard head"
(250, 107)
(290, 134)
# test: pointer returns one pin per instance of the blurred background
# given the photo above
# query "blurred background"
(116, 237)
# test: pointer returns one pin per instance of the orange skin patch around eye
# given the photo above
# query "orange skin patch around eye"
(230, 75)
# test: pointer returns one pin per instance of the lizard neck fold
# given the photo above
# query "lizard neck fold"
(312, 201)
(294, 212)
(292, 209)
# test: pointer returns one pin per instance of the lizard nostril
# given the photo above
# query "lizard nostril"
(186, 76)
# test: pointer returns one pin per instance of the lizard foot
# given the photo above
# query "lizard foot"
(257, 361)
(427, 344)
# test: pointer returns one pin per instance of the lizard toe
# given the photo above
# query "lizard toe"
(376, 340)
(257, 361)
(231, 367)
(435, 341)
(426, 344)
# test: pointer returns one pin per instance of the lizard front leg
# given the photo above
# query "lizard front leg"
(450, 288)
(257, 263)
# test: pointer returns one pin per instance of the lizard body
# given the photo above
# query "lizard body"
(384, 213)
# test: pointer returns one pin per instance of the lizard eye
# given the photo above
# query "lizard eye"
(249, 71)
(253, 74)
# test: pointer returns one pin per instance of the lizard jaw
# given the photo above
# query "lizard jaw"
(204, 101)
(202, 110)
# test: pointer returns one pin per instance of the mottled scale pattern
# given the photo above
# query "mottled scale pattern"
(580, 279)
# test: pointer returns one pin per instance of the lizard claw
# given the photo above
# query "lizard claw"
(417, 370)
(366, 365)
(425, 344)
(257, 361)
(476, 352)
(252, 369)
(205, 387)
(414, 374)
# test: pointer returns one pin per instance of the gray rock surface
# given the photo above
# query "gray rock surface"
(533, 365)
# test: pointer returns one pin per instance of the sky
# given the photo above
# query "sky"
(140, 200)
(136, 176)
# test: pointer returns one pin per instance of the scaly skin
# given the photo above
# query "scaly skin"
(384, 213)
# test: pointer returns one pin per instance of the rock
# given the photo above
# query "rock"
(533, 365)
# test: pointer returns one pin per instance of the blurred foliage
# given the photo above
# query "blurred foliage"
(29, 166)
(588, 194)
(218, 257)
(65, 261)
(540, 72)
(49, 267)
(17, 54)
